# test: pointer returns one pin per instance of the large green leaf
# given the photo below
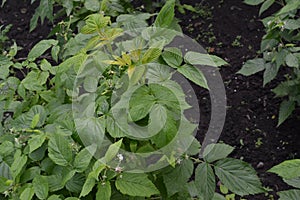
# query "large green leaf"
(40, 48)
(75, 184)
(193, 74)
(140, 103)
(35, 80)
(252, 67)
(5, 170)
(267, 4)
(92, 5)
(238, 176)
(172, 56)
(289, 195)
(27, 194)
(285, 110)
(36, 142)
(270, 72)
(295, 182)
(6, 148)
(178, 177)
(288, 169)
(40, 186)
(136, 185)
(103, 191)
(88, 185)
(166, 15)
(112, 151)
(195, 58)
(215, 152)
(205, 181)
(292, 60)
(18, 164)
(83, 158)
(59, 150)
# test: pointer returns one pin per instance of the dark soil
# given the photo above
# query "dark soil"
(252, 110)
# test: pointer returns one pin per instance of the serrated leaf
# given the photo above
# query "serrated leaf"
(214, 152)
(27, 194)
(103, 191)
(195, 58)
(288, 169)
(40, 48)
(83, 158)
(289, 195)
(193, 74)
(205, 181)
(267, 4)
(59, 150)
(166, 15)
(285, 110)
(136, 185)
(172, 56)
(252, 67)
(178, 177)
(238, 176)
(36, 142)
(41, 187)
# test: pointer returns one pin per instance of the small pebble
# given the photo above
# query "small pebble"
(23, 10)
(260, 165)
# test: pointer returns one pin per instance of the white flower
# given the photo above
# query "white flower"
(120, 157)
(118, 169)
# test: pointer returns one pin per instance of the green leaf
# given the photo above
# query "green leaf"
(90, 84)
(195, 58)
(253, 2)
(45, 9)
(92, 5)
(83, 158)
(288, 169)
(75, 184)
(27, 194)
(104, 191)
(293, 5)
(136, 185)
(205, 181)
(289, 195)
(292, 24)
(88, 186)
(36, 142)
(193, 74)
(112, 151)
(35, 80)
(54, 197)
(40, 186)
(153, 52)
(172, 56)
(140, 103)
(285, 110)
(5, 170)
(166, 15)
(214, 152)
(252, 67)
(178, 177)
(35, 121)
(54, 52)
(238, 176)
(6, 148)
(270, 72)
(295, 182)
(30, 173)
(18, 164)
(267, 4)
(291, 60)
(4, 184)
(40, 48)
(59, 150)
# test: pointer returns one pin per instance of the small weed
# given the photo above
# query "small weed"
(237, 42)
